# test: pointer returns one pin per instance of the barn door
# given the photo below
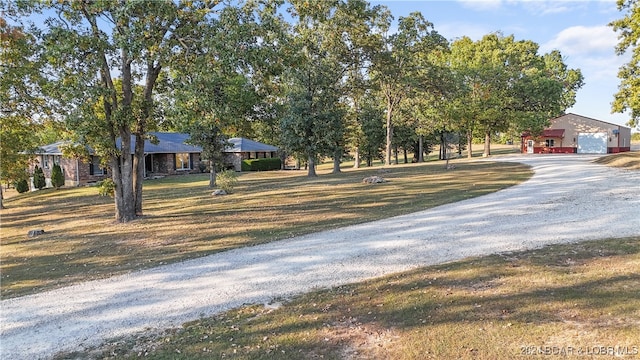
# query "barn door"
(592, 143)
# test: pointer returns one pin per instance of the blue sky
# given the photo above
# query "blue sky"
(577, 28)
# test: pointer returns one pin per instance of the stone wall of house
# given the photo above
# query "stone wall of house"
(166, 164)
(77, 172)
(163, 163)
(85, 173)
(233, 160)
(70, 171)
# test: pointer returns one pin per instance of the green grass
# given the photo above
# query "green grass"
(626, 160)
(571, 298)
(183, 220)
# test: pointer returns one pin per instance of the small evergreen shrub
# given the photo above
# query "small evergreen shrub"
(39, 180)
(57, 178)
(226, 180)
(22, 186)
(106, 187)
(261, 164)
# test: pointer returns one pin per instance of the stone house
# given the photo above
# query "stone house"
(245, 149)
(167, 154)
(164, 154)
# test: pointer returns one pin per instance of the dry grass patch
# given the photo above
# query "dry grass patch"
(182, 220)
(627, 160)
(574, 300)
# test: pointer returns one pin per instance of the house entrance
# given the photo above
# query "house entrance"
(529, 146)
(148, 163)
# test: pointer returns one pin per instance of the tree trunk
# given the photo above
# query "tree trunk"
(121, 169)
(123, 178)
(356, 161)
(283, 160)
(212, 174)
(406, 159)
(421, 149)
(395, 154)
(487, 144)
(1, 198)
(387, 155)
(337, 154)
(138, 172)
(445, 148)
(469, 144)
(312, 167)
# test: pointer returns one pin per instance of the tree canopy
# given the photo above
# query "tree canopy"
(628, 28)
(333, 79)
(20, 103)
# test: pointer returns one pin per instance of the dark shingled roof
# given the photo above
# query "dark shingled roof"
(167, 143)
(56, 148)
(172, 143)
(246, 145)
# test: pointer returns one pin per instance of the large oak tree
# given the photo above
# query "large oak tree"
(20, 98)
(398, 68)
(88, 45)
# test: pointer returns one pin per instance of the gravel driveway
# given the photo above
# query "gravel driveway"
(568, 199)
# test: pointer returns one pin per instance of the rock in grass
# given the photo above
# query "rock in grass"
(34, 233)
(373, 180)
(219, 192)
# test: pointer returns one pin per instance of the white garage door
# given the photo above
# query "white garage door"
(592, 143)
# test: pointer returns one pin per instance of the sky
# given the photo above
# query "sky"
(578, 29)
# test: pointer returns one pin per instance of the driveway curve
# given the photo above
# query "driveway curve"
(568, 199)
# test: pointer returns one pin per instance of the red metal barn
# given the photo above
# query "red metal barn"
(571, 133)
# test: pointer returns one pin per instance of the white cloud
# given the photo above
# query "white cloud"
(582, 40)
(548, 7)
(542, 7)
(481, 5)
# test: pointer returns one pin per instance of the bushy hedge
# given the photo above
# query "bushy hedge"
(39, 180)
(57, 178)
(261, 164)
(106, 187)
(227, 180)
(22, 186)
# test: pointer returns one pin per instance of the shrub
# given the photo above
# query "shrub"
(22, 186)
(57, 178)
(227, 180)
(39, 180)
(261, 164)
(106, 187)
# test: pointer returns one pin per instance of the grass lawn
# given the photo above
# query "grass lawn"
(579, 300)
(627, 160)
(182, 220)
(569, 301)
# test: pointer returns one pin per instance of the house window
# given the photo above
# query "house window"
(94, 166)
(549, 142)
(45, 161)
(183, 161)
